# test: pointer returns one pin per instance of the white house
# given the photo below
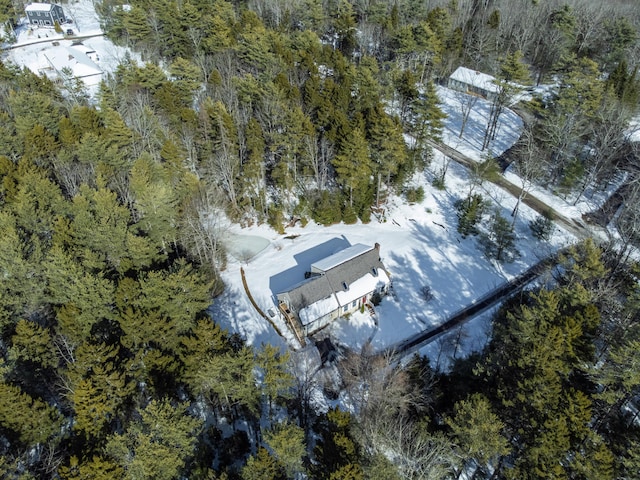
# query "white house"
(45, 14)
(471, 81)
(76, 61)
(335, 286)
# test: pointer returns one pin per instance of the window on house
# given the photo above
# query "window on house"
(344, 309)
(354, 303)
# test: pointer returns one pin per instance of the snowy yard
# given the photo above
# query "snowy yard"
(38, 48)
(420, 247)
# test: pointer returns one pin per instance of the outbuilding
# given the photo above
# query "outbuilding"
(473, 82)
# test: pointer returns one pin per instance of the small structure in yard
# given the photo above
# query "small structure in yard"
(473, 82)
(45, 14)
(334, 287)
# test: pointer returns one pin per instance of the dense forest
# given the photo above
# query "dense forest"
(280, 110)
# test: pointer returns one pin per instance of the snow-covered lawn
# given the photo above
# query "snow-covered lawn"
(37, 48)
(508, 131)
(420, 247)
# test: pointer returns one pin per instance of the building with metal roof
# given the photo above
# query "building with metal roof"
(334, 287)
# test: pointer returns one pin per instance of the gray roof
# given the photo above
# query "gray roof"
(310, 291)
(319, 287)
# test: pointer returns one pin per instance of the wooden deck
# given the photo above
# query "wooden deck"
(293, 322)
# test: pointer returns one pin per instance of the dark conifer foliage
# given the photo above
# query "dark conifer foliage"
(272, 110)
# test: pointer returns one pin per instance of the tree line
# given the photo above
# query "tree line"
(110, 365)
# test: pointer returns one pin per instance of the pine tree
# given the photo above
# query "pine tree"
(94, 468)
(32, 343)
(387, 146)
(344, 25)
(155, 202)
(136, 24)
(263, 466)
(253, 170)
(158, 445)
(286, 441)
(499, 243)
(80, 298)
(30, 419)
(478, 432)
(353, 163)
(277, 381)
(470, 212)
(99, 387)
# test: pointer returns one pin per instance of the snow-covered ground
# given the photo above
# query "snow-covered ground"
(40, 49)
(508, 131)
(420, 246)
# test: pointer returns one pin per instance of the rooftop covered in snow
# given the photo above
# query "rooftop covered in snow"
(482, 81)
(38, 7)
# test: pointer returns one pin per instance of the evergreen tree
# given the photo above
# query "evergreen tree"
(470, 212)
(277, 381)
(263, 466)
(99, 388)
(286, 441)
(28, 420)
(427, 120)
(353, 163)
(158, 445)
(478, 432)
(94, 468)
(499, 242)
(32, 343)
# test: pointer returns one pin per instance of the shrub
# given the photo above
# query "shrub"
(470, 211)
(438, 182)
(326, 209)
(376, 298)
(542, 227)
(427, 293)
(414, 194)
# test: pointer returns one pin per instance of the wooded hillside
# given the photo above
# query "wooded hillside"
(267, 111)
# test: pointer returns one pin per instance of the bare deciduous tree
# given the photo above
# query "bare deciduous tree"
(417, 454)
(466, 103)
(203, 227)
(529, 165)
